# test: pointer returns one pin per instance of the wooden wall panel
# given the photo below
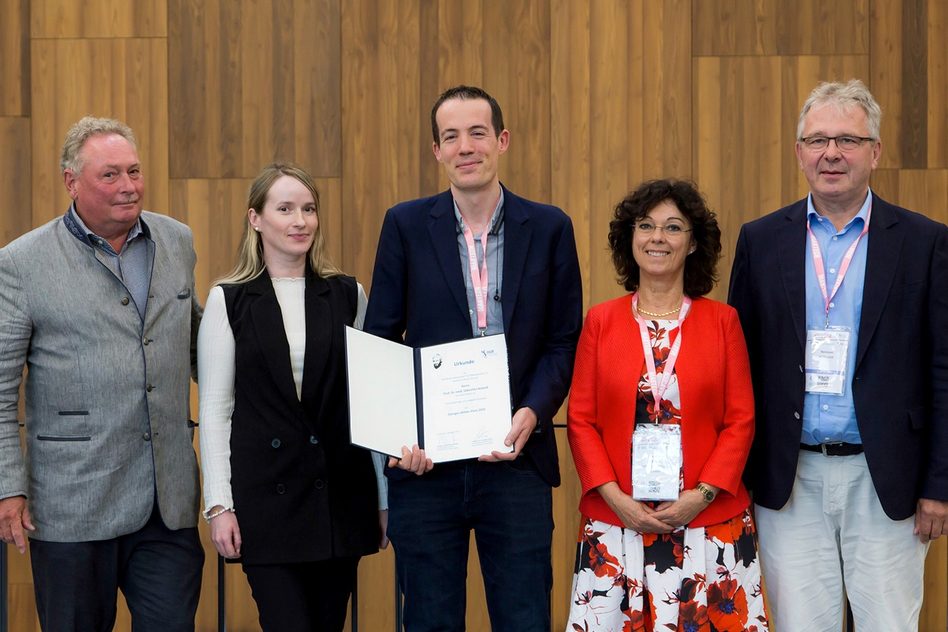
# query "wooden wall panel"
(15, 186)
(516, 72)
(598, 96)
(772, 27)
(14, 57)
(381, 127)
(570, 112)
(121, 78)
(610, 100)
(746, 139)
(937, 85)
(269, 67)
(102, 18)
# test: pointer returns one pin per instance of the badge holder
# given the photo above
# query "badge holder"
(656, 462)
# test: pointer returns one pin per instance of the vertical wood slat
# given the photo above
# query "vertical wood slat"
(914, 93)
(570, 124)
(937, 54)
(885, 79)
(14, 58)
(613, 84)
(15, 188)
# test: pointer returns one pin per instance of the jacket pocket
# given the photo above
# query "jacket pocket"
(61, 438)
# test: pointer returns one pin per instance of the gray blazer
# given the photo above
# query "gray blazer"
(107, 396)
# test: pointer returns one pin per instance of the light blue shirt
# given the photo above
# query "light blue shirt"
(495, 268)
(132, 266)
(832, 418)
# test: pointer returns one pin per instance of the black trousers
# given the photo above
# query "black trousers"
(157, 569)
(303, 597)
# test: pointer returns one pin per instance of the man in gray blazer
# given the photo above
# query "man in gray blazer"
(99, 306)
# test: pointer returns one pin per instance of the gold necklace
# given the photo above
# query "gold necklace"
(659, 315)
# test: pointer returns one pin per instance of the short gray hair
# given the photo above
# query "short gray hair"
(83, 130)
(844, 95)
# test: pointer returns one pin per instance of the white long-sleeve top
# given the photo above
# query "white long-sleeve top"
(216, 362)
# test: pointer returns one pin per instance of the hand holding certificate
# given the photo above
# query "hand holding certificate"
(452, 400)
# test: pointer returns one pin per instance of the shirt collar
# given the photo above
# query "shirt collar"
(496, 218)
(80, 231)
(816, 219)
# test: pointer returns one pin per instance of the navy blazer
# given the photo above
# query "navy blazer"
(418, 297)
(900, 382)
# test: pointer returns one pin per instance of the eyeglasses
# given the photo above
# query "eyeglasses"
(843, 143)
(647, 228)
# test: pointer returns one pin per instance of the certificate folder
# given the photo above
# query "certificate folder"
(452, 399)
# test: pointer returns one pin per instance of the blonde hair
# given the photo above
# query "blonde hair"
(81, 131)
(250, 253)
(844, 95)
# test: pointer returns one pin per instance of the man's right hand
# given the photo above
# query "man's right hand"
(14, 518)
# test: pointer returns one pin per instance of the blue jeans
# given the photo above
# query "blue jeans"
(509, 507)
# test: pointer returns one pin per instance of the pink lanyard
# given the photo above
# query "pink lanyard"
(658, 385)
(478, 276)
(843, 266)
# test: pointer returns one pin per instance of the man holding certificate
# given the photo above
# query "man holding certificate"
(477, 260)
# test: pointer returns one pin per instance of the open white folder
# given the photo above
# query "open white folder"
(452, 399)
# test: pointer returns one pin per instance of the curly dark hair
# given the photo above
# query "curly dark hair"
(700, 266)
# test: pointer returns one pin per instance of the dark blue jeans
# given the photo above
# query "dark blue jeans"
(157, 569)
(509, 507)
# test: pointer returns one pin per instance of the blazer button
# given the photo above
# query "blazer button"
(146, 436)
(150, 387)
(796, 415)
(124, 300)
(275, 443)
(319, 484)
(281, 488)
(313, 439)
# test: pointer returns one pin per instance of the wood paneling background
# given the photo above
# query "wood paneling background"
(598, 95)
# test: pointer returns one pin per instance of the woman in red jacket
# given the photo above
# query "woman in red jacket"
(661, 418)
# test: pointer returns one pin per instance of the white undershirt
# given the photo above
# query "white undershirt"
(216, 368)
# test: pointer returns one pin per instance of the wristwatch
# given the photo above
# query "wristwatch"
(707, 492)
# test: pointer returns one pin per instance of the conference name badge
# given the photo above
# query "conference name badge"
(826, 353)
(656, 461)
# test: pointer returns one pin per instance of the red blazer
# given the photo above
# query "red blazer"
(717, 405)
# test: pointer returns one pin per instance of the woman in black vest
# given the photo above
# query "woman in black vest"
(284, 490)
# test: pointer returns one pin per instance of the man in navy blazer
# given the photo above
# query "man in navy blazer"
(479, 260)
(849, 468)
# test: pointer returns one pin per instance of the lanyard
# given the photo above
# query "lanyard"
(659, 384)
(478, 276)
(843, 266)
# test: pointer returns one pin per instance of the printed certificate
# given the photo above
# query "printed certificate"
(452, 399)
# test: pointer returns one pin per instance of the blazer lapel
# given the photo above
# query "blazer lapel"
(517, 233)
(268, 326)
(791, 241)
(884, 247)
(442, 229)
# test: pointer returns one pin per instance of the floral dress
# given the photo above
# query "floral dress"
(694, 579)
